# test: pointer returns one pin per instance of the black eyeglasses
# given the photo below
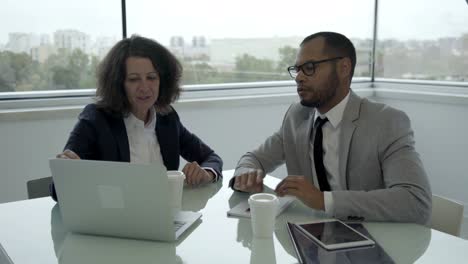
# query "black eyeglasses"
(308, 67)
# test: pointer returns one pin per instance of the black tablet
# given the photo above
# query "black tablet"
(308, 251)
(333, 234)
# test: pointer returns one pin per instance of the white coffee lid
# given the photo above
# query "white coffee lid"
(263, 199)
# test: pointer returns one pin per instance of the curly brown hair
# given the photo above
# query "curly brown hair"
(111, 72)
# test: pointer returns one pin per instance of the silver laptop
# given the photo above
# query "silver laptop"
(4, 258)
(117, 199)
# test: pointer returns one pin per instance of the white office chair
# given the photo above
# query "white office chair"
(447, 215)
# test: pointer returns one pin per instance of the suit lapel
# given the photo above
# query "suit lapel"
(351, 114)
(167, 135)
(304, 131)
(120, 134)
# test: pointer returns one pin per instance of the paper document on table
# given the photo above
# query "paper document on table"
(242, 209)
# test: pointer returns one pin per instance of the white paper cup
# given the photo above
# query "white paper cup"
(176, 187)
(263, 208)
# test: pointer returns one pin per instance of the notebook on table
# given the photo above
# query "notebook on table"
(118, 199)
(242, 209)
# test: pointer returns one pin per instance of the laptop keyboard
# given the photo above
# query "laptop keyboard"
(178, 225)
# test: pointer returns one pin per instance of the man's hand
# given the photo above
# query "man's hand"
(196, 175)
(251, 181)
(68, 154)
(305, 191)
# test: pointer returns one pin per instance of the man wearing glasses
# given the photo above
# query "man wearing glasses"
(350, 157)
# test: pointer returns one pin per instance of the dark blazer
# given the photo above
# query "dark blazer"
(99, 135)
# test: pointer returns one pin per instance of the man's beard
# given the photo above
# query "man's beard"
(328, 92)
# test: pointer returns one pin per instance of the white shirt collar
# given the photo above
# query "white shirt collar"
(334, 115)
(132, 122)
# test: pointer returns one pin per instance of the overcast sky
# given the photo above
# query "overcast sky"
(401, 19)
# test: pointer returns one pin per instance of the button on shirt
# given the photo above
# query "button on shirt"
(331, 138)
(142, 141)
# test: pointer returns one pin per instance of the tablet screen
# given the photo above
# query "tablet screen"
(309, 252)
(333, 232)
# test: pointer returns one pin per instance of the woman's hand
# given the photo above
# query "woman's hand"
(68, 154)
(196, 175)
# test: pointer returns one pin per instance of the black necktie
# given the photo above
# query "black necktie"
(318, 155)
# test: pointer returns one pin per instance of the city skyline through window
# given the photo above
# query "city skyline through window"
(58, 48)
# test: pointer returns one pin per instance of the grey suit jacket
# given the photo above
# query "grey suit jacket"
(382, 174)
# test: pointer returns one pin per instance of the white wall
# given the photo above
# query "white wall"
(233, 127)
(25, 147)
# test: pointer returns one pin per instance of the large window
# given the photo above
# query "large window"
(423, 40)
(54, 44)
(247, 40)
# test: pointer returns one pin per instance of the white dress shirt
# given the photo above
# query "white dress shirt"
(142, 140)
(331, 136)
